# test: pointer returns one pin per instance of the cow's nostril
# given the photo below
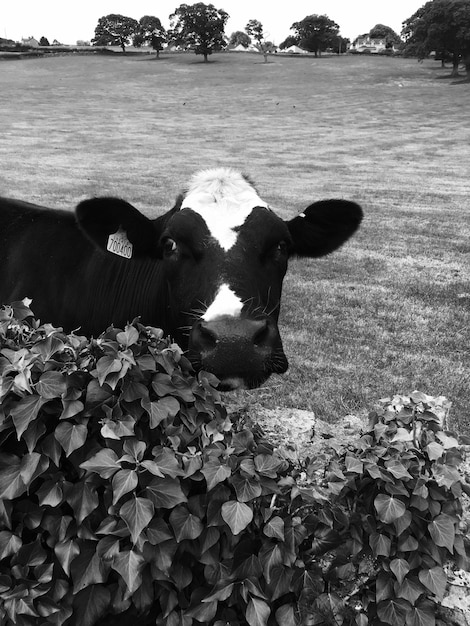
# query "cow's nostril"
(261, 332)
(205, 336)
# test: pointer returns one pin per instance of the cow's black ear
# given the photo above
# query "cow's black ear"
(323, 227)
(112, 224)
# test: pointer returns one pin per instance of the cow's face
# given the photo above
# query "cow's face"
(224, 255)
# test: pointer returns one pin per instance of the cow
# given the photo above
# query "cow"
(209, 271)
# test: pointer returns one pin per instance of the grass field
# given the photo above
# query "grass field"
(389, 312)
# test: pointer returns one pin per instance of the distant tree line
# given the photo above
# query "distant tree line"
(439, 25)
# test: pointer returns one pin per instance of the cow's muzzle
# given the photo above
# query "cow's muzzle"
(240, 352)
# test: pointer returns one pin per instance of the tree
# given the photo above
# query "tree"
(254, 29)
(380, 31)
(443, 26)
(239, 37)
(114, 29)
(44, 41)
(316, 33)
(288, 42)
(150, 32)
(200, 27)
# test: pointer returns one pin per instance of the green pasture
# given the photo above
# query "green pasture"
(389, 312)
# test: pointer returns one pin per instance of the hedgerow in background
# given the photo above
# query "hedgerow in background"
(125, 491)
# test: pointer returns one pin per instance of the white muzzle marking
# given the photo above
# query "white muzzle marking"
(226, 303)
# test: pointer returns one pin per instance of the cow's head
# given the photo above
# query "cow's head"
(223, 254)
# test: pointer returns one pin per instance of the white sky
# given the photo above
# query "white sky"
(70, 20)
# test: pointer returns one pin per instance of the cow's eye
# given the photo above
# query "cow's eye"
(279, 251)
(281, 248)
(169, 247)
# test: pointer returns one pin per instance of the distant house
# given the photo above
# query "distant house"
(239, 48)
(365, 43)
(31, 42)
(294, 50)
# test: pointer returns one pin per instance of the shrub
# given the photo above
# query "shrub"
(395, 502)
(124, 488)
(126, 491)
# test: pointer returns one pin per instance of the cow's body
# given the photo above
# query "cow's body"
(209, 272)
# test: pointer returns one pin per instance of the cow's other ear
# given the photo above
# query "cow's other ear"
(112, 224)
(323, 227)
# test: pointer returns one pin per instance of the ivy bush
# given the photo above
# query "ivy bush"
(127, 493)
(394, 499)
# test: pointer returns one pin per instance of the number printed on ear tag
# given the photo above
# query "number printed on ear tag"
(119, 244)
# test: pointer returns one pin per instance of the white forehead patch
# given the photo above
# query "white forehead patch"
(226, 302)
(224, 199)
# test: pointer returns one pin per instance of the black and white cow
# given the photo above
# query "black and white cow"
(209, 271)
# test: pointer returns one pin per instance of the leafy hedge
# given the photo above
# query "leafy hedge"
(126, 491)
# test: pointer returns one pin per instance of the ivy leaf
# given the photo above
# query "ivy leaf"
(222, 592)
(407, 543)
(158, 532)
(124, 480)
(71, 408)
(91, 604)
(129, 565)
(275, 528)
(410, 589)
(394, 611)
(71, 436)
(66, 551)
(353, 465)
(185, 525)
(270, 557)
(107, 366)
(162, 409)
(285, 615)
(83, 499)
(214, 473)
(257, 612)
(400, 568)
(29, 466)
(388, 508)
(162, 385)
(237, 515)
(11, 483)
(48, 347)
(434, 450)
(204, 613)
(434, 579)
(51, 385)
(33, 433)
(246, 487)
(105, 463)
(442, 531)
(137, 513)
(165, 493)
(402, 523)
(9, 544)
(25, 411)
(129, 337)
(267, 465)
(87, 568)
(398, 470)
(166, 462)
(447, 441)
(380, 544)
(423, 614)
(384, 588)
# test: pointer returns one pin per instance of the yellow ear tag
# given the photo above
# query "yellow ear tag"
(119, 244)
